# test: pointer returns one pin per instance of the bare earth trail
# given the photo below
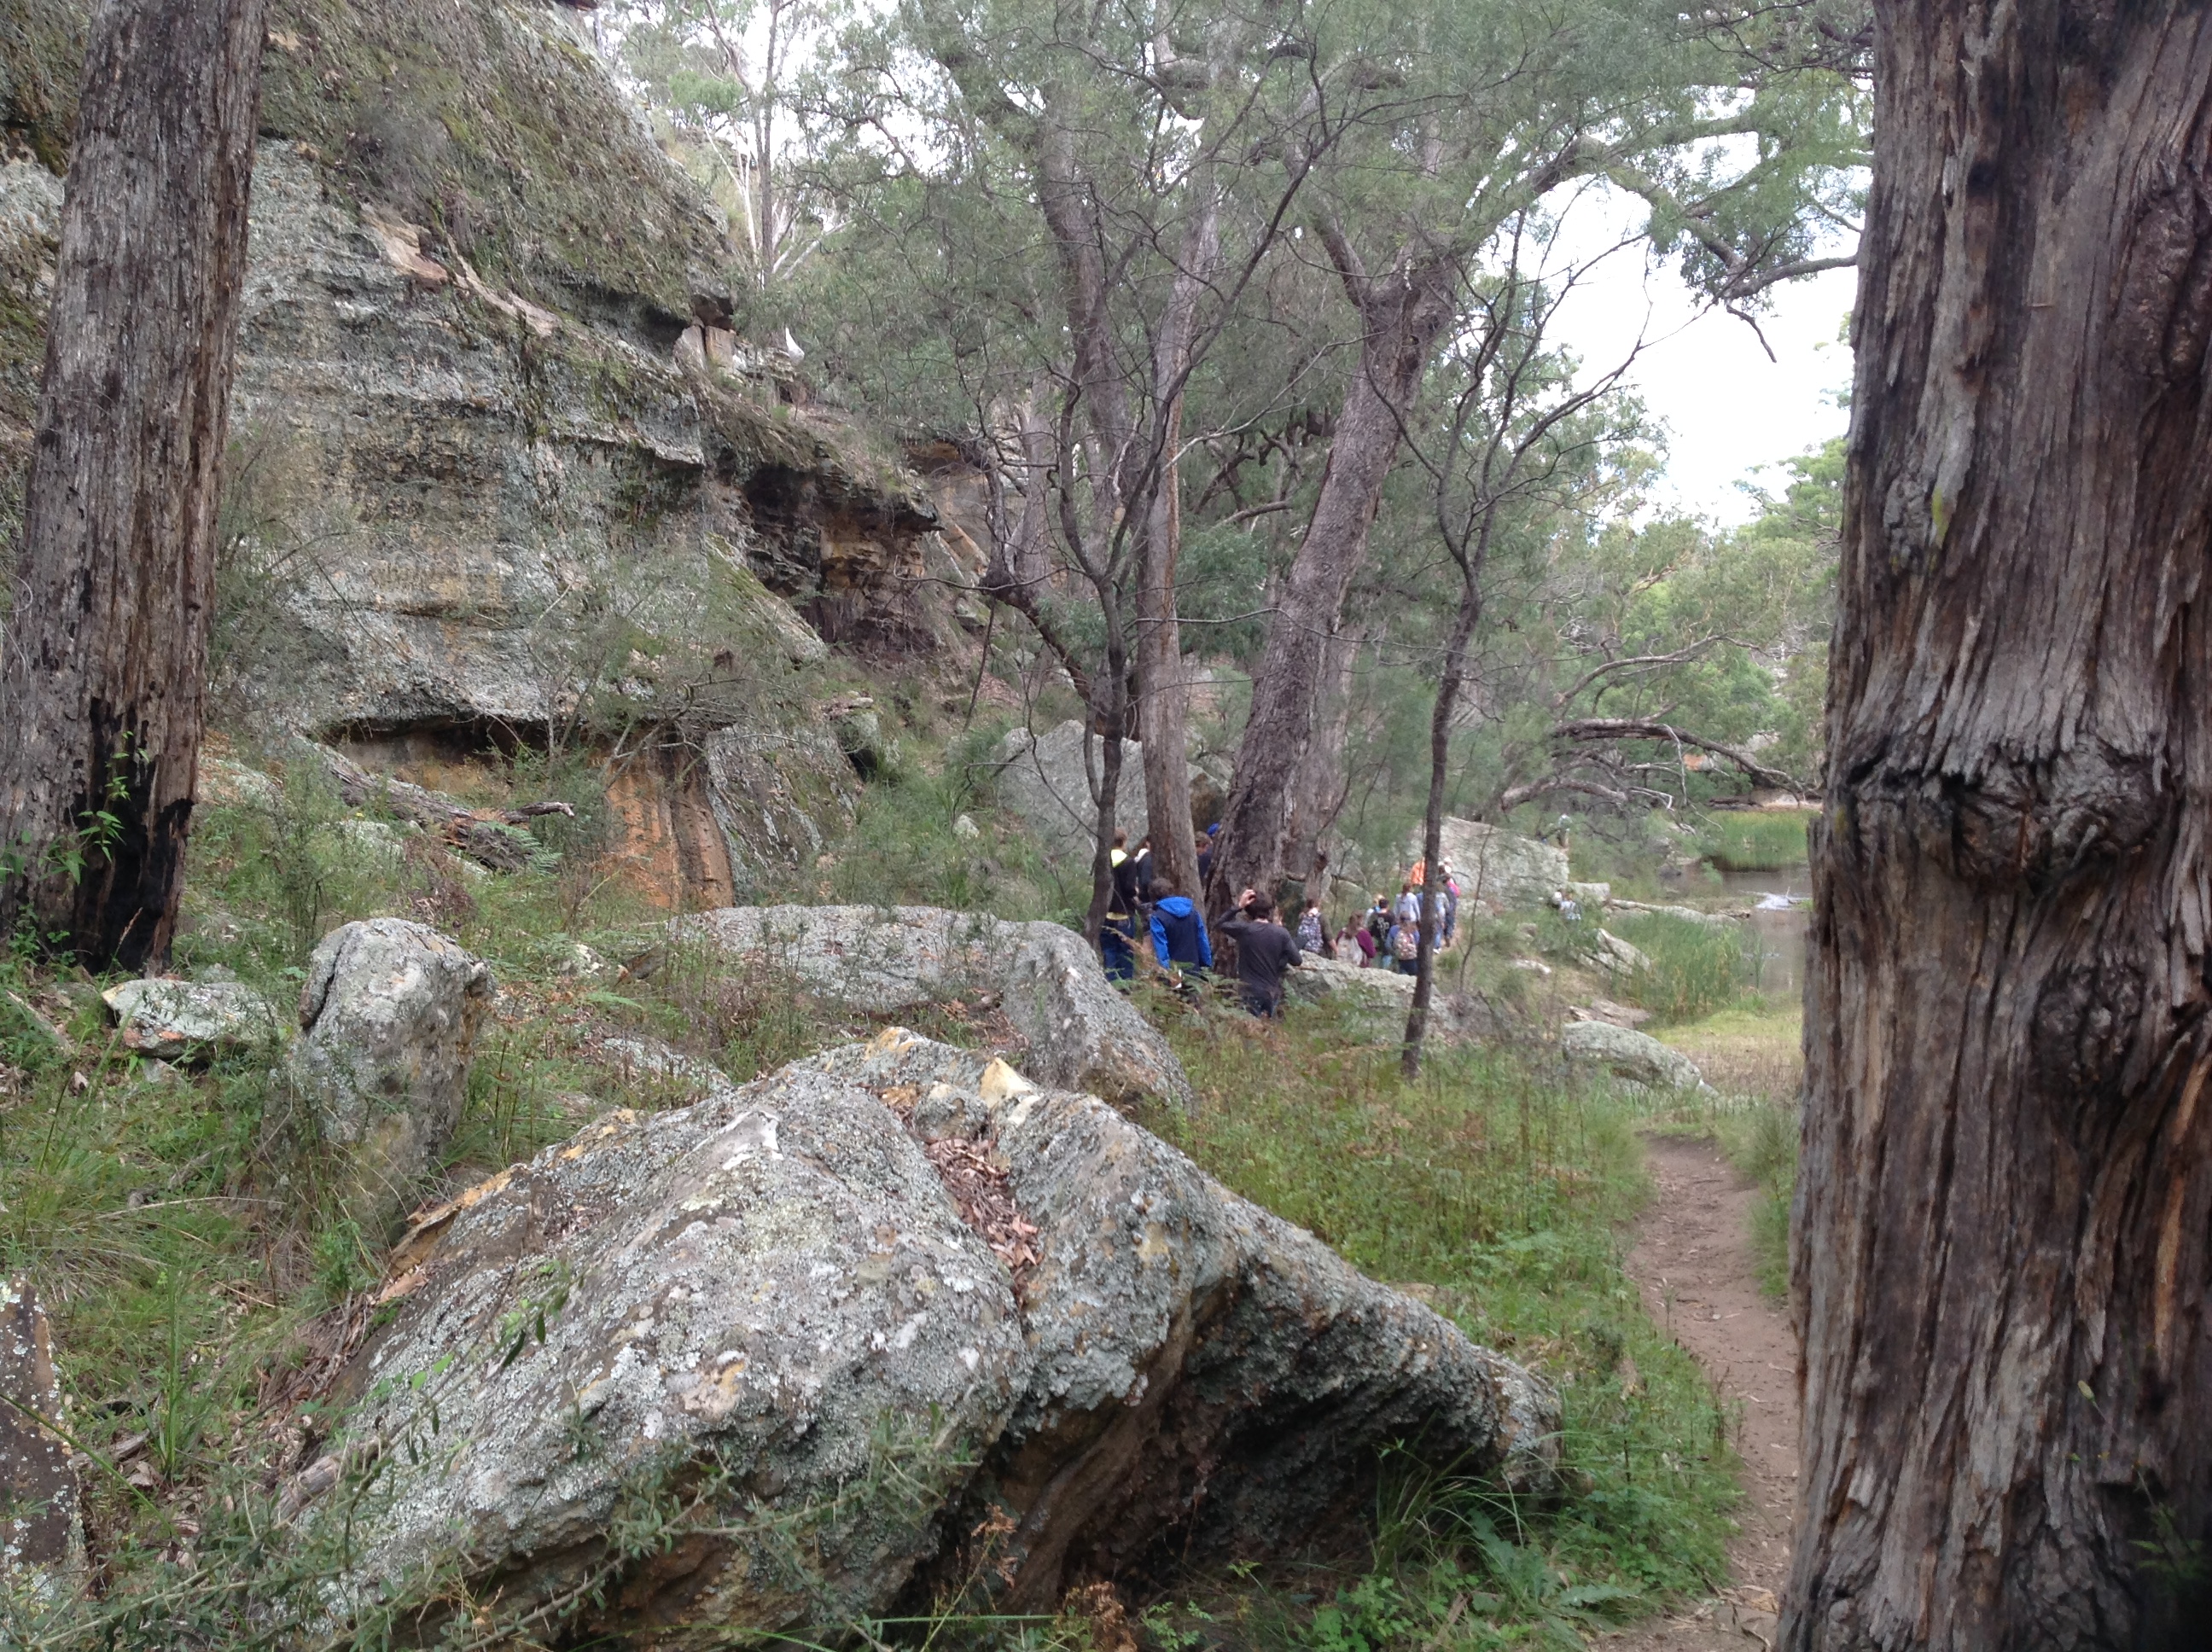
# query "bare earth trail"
(1692, 1262)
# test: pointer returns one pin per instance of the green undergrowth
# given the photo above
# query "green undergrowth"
(1755, 840)
(204, 1282)
(1696, 968)
(1499, 1190)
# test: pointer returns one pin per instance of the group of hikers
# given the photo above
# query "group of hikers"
(1386, 936)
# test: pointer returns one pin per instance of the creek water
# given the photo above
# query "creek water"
(1780, 969)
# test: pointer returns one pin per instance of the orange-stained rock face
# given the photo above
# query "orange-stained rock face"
(668, 844)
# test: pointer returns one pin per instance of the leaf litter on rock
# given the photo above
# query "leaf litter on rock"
(984, 1195)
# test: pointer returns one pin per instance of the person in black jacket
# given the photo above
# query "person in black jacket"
(1265, 950)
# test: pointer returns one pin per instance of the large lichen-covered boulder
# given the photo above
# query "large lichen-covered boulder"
(1211, 1382)
(1043, 779)
(764, 1305)
(1501, 868)
(1075, 1029)
(1626, 1053)
(888, 1321)
(389, 1016)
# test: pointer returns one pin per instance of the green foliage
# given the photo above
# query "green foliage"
(1696, 968)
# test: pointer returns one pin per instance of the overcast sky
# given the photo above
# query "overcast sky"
(1729, 407)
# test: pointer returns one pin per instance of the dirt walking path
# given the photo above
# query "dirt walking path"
(1693, 1263)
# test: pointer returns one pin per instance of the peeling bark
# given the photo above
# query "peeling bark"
(1999, 1270)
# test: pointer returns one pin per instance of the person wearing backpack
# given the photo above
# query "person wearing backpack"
(1313, 932)
(1406, 939)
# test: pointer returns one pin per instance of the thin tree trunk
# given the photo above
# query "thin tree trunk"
(1405, 314)
(104, 682)
(1433, 819)
(1164, 695)
(1999, 1270)
(1029, 560)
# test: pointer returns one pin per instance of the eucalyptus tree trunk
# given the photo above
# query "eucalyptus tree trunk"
(104, 683)
(1404, 314)
(2001, 1263)
(1163, 692)
(1322, 783)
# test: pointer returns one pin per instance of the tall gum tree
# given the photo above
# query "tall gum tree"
(2005, 1192)
(1494, 110)
(104, 679)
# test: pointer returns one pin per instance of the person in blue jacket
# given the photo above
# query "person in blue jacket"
(1179, 937)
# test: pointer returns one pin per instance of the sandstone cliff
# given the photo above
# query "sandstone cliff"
(502, 467)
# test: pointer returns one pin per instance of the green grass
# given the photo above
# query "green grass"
(199, 1271)
(1696, 969)
(1501, 1192)
(1755, 840)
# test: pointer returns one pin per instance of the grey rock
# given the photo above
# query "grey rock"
(389, 1016)
(1077, 1030)
(472, 455)
(1042, 778)
(1687, 914)
(1376, 1002)
(42, 1556)
(1193, 1352)
(1593, 896)
(1623, 957)
(1626, 1053)
(1499, 867)
(176, 1020)
(769, 1299)
(766, 1295)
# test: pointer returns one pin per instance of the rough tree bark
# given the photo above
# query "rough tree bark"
(1404, 314)
(104, 683)
(2001, 1268)
(1163, 692)
(1322, 786)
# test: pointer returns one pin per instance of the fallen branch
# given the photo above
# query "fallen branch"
(491, 837)
(1597, 731)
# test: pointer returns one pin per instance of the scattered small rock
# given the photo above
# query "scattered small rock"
(389, 1016)
(1614, 953)
(175, 1020)
(964, 826)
